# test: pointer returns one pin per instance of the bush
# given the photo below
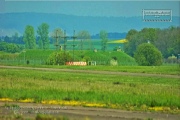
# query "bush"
(148, 55)
(172, 59)
(58, 58)
(10, 47)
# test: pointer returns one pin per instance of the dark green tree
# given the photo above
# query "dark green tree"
(168, 41)
(29, 37)
(148, 55)
(136, 38)
(130, 46)
(40, 44)
(104, 39)
(43, 31)
(131, 33)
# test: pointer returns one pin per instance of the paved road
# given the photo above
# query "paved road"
(93, 72)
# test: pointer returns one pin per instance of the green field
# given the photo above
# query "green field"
(145, 92)
(88, 44)
(124, 92)
(168, 70)
(39, 57)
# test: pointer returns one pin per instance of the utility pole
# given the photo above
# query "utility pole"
(65, 40)
(81, 44)
(74, 37)
(57, 42)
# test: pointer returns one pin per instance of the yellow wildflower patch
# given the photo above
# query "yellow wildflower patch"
(156, 108)
(119, 41)
(89, 104)
(94, 105)
(6, 99)
(113, 106)
(27, 101)
(73, 103)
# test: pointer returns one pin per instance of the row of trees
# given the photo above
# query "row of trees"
(10, 47)
(166, 40)
(15, 38)
(58, 34)
(30, 39)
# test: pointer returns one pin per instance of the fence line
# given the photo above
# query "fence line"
(43, 62)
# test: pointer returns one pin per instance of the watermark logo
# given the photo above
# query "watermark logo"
(157, 15)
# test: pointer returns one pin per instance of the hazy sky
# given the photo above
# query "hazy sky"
(88, 8)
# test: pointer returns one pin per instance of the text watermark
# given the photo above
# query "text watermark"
(157, 15)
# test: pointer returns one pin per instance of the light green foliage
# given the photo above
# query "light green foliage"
(58, 58)
(104, 39)
(57, 35)
(5, 55)
(147, 55)
(39, 57)
(104, 58)
(172, 59)
(43, 31)
(10, 47)
(85, 38)
(40, 44)
(84, 35)
(29, 37)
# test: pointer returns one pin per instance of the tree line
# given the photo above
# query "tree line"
(166, 40)
(10, 47)
(58, 34)
(30, 39)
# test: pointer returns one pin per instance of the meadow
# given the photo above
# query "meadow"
(117, 91)
(91, 90)
(39, 57)
(90, 44)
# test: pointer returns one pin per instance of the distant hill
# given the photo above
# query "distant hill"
(16, 22)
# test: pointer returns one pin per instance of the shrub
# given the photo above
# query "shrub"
(58, 58)
(172, 59)
(148, 55)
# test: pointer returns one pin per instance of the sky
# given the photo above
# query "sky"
(88, 8)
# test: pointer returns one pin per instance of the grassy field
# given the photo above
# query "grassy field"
(90, 44)
(171, 70)
(96, 90)
(39, 57)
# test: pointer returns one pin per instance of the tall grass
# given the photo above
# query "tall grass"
(96, 88)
